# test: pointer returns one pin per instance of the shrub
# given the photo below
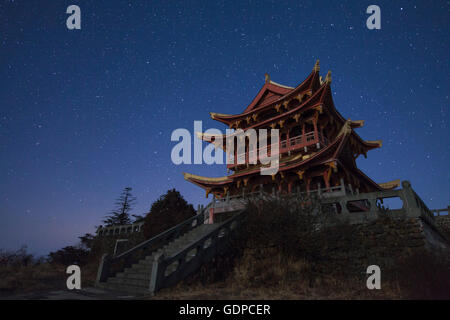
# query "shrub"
(16, 258)
(69, 255)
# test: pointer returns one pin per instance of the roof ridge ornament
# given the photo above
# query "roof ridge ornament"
(378, 142)
(317, 66)
(214, 115)
(267, 77)
(390, 185)
(328, 77)
(346, 128)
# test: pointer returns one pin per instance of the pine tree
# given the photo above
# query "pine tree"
(121, 215)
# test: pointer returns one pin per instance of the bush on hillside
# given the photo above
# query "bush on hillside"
(169, 210)
(69, 255)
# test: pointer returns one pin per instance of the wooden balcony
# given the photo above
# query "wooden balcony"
(313, 138)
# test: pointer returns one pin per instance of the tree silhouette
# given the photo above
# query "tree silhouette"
(69, 255)
(121, 215)
(166, 212)
(87, 241)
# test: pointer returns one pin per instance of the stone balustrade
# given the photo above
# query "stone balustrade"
(352, 206)
(441, 212)
(120, 229)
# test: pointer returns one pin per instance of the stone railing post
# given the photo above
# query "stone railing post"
(409, 200)
(156, 273)
(373, 204)
(343, 204)
(343, 186)
(103, 268)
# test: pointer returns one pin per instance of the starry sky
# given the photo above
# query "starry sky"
(85, 113)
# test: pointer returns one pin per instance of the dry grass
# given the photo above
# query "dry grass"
(277, 278)
(31, 278)
(38, 278)
(266, 262)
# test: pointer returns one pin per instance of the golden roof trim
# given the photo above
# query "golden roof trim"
(214, 114)
(377, 142)
(328, 77)
(346, 128)
(390, 185)
(207, 137)
(357, 123)
(317, 66)
(188, 176)
(280, 85)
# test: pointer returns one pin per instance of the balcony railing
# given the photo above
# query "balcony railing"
(291, 144)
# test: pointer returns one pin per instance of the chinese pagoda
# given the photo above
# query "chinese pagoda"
(318, 147)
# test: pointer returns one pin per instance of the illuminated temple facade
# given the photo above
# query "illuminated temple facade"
(318, 147)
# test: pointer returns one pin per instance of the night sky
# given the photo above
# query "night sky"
(85, 113)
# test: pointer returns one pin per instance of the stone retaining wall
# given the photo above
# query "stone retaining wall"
(382, 242)
(443, 224)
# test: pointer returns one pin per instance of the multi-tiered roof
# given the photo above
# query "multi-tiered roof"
(318, 147)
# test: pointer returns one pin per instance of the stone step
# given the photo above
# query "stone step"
(136, 278)
(138, 265)
(139, 269)
(143, 263)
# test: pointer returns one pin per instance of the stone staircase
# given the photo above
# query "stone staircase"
(136, 278)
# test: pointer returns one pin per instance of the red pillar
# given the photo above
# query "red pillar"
(316, 135)
(303, 141)
(327, 181)
(288, 144)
